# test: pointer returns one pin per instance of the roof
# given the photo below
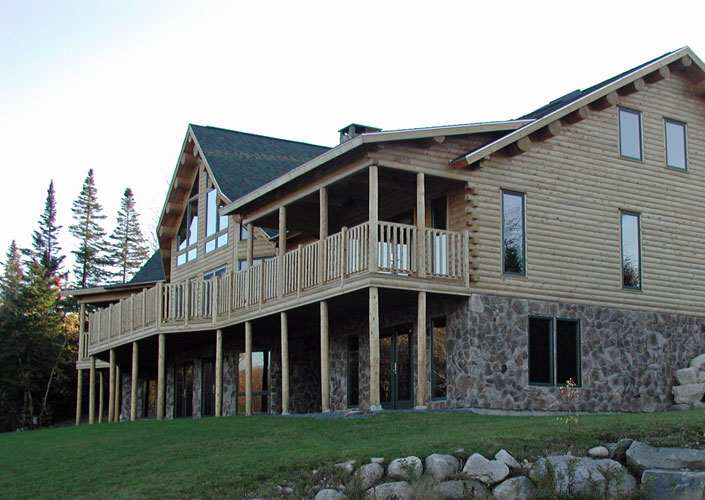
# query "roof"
(242, 162)
(151, 271)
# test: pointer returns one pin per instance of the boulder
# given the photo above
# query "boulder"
(405, 469)
(641, 456)
(680, 407)
(400, 490)
(673, 485)
(576, 476)
(619, 452)
(701, 377)
(329, 494)
(369, 475)
(508, 459)
(689, 393)
(346, 467)
(687, 376)
(461, 490)
(441, 466)
(515, 488)
(376, 460)
(488, 471)
(599, 452)
(698, 362)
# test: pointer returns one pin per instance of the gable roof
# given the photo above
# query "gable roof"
(242, 162)
(151, 271)
(569, 103)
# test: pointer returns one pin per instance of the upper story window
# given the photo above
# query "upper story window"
(630, 134)
(187, 237)
(216, 225)
(676, 155)
(216, 273)
(631, 250)
(243, 232)
(513, 234)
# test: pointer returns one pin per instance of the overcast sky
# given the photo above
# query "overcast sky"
(113, 85)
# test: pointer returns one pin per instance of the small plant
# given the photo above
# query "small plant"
(569, 394)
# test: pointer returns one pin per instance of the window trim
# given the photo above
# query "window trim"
(433, 380)
(621, 249)
(553, 351)
(523, 231)
(666, 121)
(219, 231)
(640, 135)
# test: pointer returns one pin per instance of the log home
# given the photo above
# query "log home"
(471, 266)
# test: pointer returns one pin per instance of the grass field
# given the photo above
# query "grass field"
(235, 457)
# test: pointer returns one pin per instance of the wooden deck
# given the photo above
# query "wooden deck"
(339, 264)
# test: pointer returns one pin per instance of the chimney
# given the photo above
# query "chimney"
(355, 129)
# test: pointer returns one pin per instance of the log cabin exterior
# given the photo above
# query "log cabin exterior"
(470, 266)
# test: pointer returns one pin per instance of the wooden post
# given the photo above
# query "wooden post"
(373, 218)
(159, 305)
(91, 392)
(300, 271)
(79, 394)
(343, 254)
(218, 373)
(248, 368)
(116, 405)
(322, 232)
(421, 353)
(161, 377)
(420, 225)
(132, 312)
(374, 349)
(144, 308)
(101, 398)
(81, 332)
(285, 362)
(466, 257)
(282, 250)
(250, 245)
(325, 363)
(111, 387)
(214, 301)
(133, 382)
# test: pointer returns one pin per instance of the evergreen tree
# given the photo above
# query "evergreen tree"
(45, 241)
(90, 269)
(12, 278)
(127, 246)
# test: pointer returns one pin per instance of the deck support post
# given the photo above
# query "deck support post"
(420, 225)
(218, 372)
(322, 232)
(101, 399)
(133, 381)
(373, 218)
(421, 353)
(248, 368)
(91, 392)
(285, 362)
(116, 404)
(282, 251)
(161, 377)
(325, 363)
(374, 349)
(79, 394)
(111, 387)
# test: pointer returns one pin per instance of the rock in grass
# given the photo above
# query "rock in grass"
(687, 376)
(689, 393)
(599, 452)
(369, 475)
(641, 456)
(400, 490)
(346, 467)
(461, 490)
(488, 471)
(619, 452)
(672, 485)
(515, 488)
(405, 469)
(440, 467)
(508, 459)
(329, 494)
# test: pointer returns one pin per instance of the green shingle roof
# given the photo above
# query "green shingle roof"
(243, 162)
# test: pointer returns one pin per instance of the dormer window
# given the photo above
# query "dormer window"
(216, 225)
(187, 237)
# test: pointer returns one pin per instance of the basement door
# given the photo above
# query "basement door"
(208, 387)
(183, 390)
(395, 379)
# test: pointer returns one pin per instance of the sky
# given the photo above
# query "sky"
(112, 86)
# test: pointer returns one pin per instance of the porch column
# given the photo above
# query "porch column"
(133, 382)
(250, 245)
(325, 366)
(322, 231)
(79, 394)
(421, 353)
(218, 373)
(374, 349)
(373, 218)
(116, 405)
(420, 225)
(111, 387)
(285, 362)
(161, 377)
(91, 392)
(282, 250)
(248, 368)
(100, 397)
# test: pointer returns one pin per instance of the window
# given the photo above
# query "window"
(243, 232)
(187, 237)
(631, 250)
(260, 382)
(554, 351)
(438, 358)
(630, 134)
(216, 273)
(242, 263)
(513, 233)
(353, 371)
(676, 155)
(216, 225)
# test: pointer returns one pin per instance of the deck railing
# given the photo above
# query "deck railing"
(338, 257)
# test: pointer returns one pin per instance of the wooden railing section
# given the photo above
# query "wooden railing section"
(343, 255)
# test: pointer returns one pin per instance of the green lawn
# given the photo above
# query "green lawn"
(235, 456)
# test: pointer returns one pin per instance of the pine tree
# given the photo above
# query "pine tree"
(11, 280)
(90, 269)
(127, 246)
(45, 241)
